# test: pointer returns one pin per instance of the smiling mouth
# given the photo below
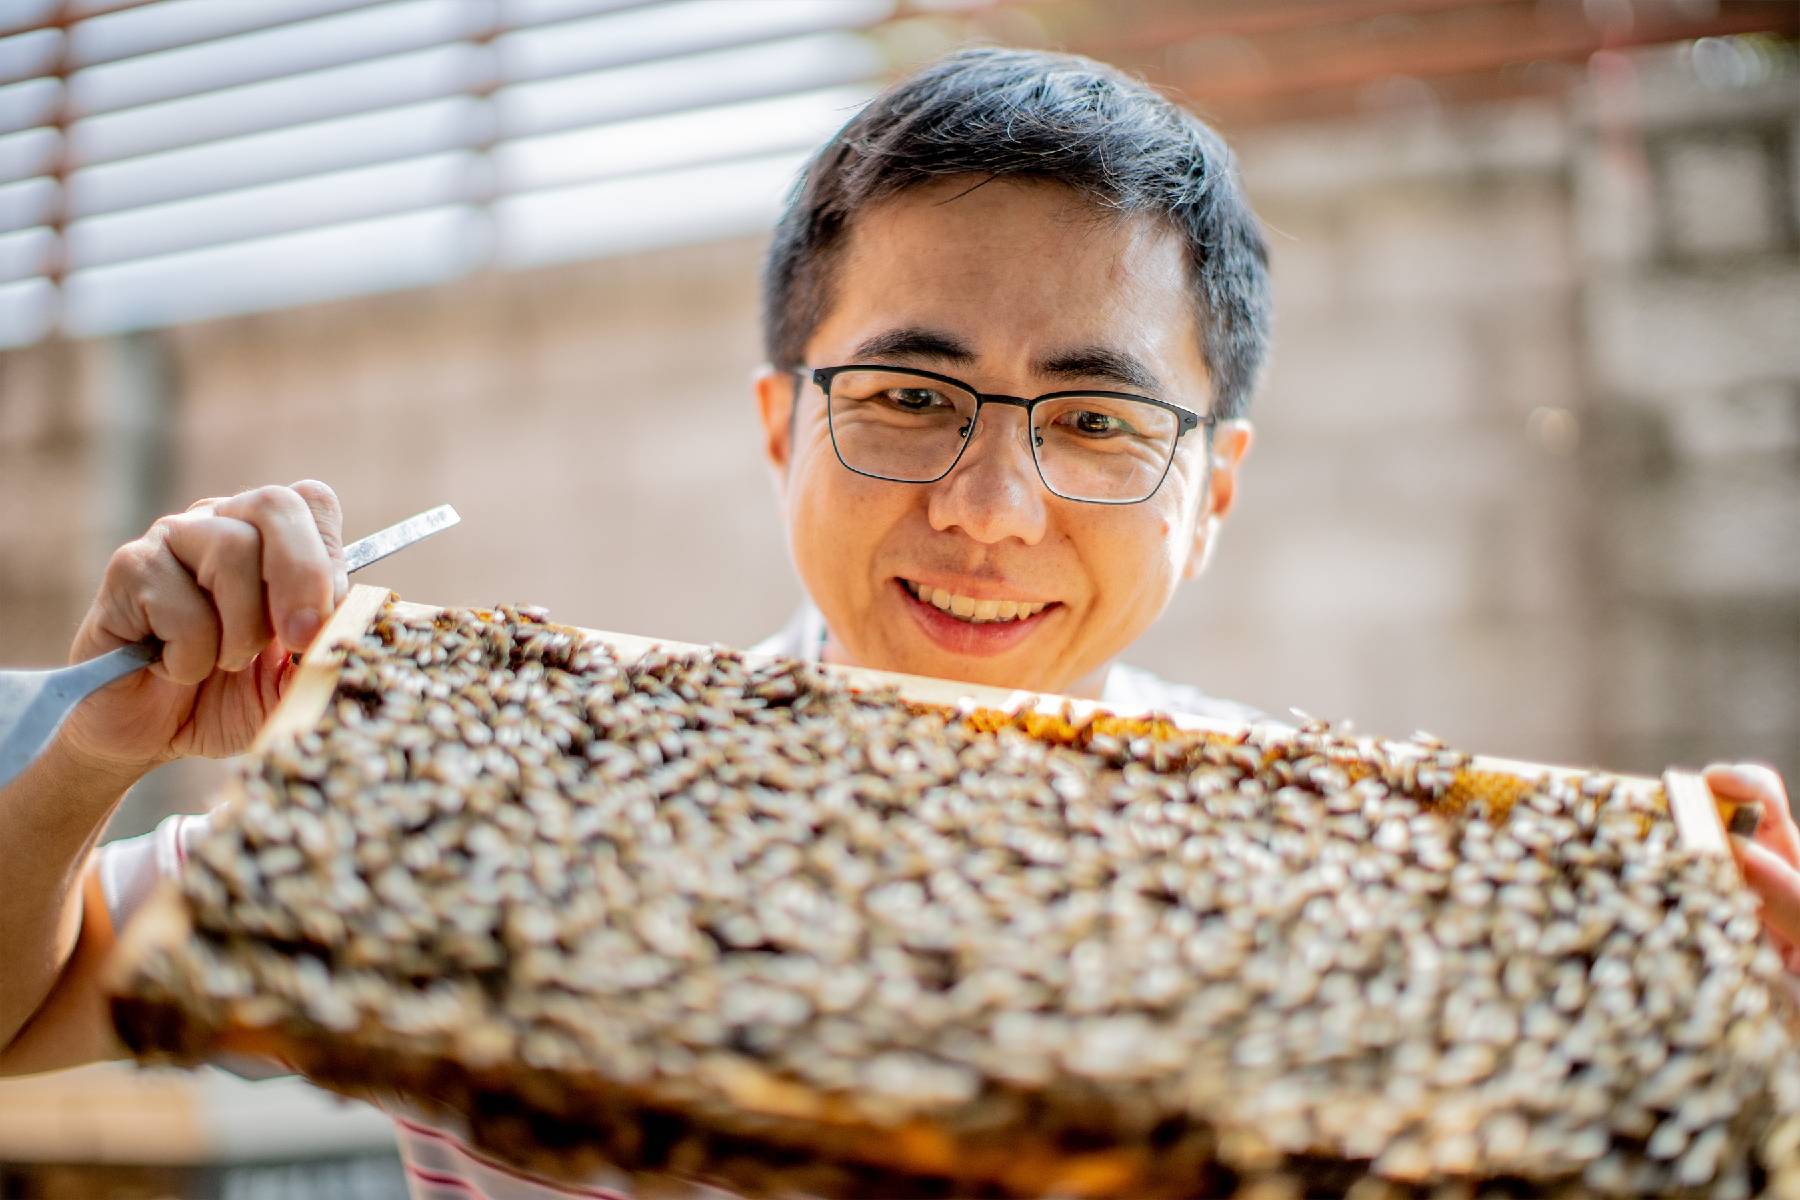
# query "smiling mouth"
(973, 611)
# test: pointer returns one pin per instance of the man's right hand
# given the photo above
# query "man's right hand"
(232, 587)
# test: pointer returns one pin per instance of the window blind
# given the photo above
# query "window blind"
(179, 159)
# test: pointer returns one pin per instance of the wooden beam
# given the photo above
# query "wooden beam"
(1468, 88)
(1477, 43)
(1194, 22)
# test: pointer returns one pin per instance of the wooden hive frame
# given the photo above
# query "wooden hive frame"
(164, 922)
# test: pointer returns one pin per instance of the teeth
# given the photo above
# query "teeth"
(973, 610)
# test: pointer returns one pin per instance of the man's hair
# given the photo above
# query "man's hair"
(1032, 114)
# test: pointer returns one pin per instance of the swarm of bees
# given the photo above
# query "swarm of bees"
(701, 918)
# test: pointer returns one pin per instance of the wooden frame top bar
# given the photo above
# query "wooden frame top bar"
(1690, 801)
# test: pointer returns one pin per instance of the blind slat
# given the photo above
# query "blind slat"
(336, 198)
(28, 104)
(91, 9)
(26, 153)
(26, 203)
(680, 27)
(29, 55)
(24, 14)
(785, 123)
(410, 250)
(141, 27)
(714, 77)
(717, 200)
(295, 152)
(280, 103)
(26, 310)
(319, 45)
(519, 13)
(173, 23)
(25, 254)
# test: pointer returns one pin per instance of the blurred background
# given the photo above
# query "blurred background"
(1528, 467)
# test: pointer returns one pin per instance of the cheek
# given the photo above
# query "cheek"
(817, 520)
(1131, 554)
(837, 520)
(816, 484)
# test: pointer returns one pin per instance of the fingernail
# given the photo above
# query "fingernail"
(1730, 775)
(301, 624)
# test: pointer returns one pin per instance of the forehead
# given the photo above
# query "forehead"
(1017, 268)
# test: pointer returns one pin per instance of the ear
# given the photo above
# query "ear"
(775, 400)
(1231, 442)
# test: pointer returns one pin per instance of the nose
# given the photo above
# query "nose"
(994, 493)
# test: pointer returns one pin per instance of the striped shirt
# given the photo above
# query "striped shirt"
(440, 1162)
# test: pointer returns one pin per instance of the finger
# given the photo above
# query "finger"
(271, 671)
(224, 556)
(328, 515)
(1782, 946)
(1756, 782)
(1775, 883)
(295, 564)
(146, 590)
(206, 505)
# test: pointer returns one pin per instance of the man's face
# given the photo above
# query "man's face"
(1018, 288)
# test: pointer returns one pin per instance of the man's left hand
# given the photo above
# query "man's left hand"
(1770, 860)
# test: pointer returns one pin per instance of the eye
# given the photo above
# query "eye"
(914, 399)
(1091, 423)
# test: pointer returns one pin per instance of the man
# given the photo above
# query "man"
(1014, 314)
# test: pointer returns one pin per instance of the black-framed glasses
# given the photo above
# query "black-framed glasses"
(911, 426)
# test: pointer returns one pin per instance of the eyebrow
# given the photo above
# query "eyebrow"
(1101, 362)
(915, 342)
(1085, 362)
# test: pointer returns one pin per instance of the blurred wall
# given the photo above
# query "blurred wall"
(1527, 476)
(1529, 461)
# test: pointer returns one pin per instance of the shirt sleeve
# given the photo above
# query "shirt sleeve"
(130, 868)
(128, 871)
(800, 638)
